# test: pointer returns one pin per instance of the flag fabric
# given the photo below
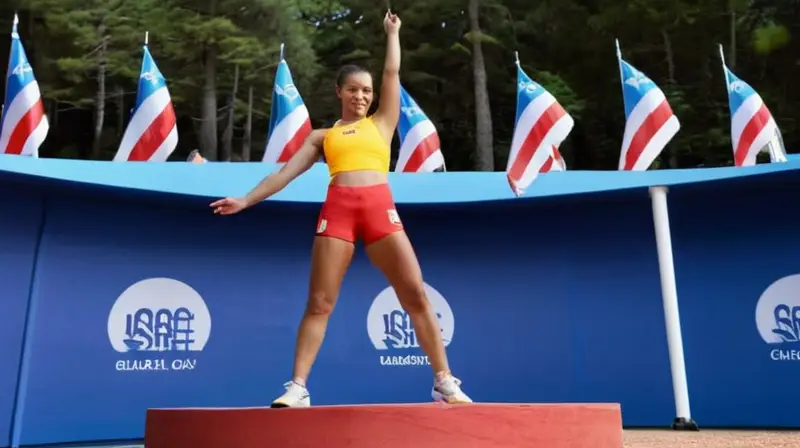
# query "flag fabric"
(540, 126)
(776, 149)
(289, 121)
(152, 133)
(752, 124)
(23, 123)
(649, 121)
(420, 150)
(555, 162)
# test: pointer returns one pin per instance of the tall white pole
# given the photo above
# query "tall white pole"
(669, 295)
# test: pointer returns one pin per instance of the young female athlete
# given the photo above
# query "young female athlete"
(359, 204)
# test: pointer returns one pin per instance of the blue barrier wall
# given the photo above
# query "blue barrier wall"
(731, 242)
(557, 297)
(17, 252)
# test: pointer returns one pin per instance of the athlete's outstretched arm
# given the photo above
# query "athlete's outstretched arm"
(300, 162)
(389, 109)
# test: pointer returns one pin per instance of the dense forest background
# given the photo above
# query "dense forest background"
(219, 59)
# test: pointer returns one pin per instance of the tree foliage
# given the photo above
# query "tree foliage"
(566, 45)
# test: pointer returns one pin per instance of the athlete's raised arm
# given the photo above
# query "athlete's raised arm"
(389, 109)
(300, 162)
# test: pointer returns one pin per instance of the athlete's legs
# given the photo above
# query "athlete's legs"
(330, 258)
(394, 256)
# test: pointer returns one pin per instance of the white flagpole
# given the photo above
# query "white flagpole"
(621, 74)
(669, 297)
(724, 68)
(777, 152)
(14, 34)
(621, 164)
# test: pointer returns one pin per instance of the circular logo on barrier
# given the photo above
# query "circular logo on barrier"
(159, 315)
(390, 328)
(778, 311)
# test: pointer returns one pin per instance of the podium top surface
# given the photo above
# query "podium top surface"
(610, 406)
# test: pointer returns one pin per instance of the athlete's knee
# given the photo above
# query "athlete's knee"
(320, 303)
(412, 297)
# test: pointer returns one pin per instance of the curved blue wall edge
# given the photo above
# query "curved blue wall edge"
(212, 180)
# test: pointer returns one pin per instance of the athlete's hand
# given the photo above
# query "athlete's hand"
(228, 206)
(391, 23)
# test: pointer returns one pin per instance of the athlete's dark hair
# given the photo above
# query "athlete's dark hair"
(346, 71)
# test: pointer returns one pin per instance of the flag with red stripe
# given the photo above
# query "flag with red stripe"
(23, 123)
(649, 121)
(752, 124)
(420, 150)
(541, 125)
(152, 133)
(555, 162)
(289, 121)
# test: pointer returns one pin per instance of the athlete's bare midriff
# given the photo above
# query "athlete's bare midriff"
(360, 178)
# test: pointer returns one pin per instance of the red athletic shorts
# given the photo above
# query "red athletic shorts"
(361, 212)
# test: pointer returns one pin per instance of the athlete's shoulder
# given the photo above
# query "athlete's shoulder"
(317, 137)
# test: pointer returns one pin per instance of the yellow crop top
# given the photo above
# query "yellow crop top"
(356, 146)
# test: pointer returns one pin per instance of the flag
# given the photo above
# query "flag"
(420, 150)
(752, 124)
(289, 121)
(649, 121)
(775, 148)
(152, 133)
(23, 123)
(555, 162)
(540, 126)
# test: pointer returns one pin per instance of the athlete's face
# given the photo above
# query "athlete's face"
(356, 94)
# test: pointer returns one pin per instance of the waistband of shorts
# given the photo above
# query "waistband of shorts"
(379, 186)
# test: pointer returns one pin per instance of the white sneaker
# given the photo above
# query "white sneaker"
(448, 390)
(296, 396)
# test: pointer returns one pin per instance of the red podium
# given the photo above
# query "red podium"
(389, 426)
